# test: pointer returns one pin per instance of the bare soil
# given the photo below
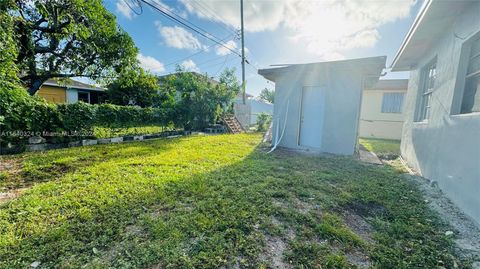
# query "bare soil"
(466, 230)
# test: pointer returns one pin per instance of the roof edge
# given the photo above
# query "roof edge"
(421, 14)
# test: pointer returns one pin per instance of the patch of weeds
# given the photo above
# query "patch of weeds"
(3, 177)
(333, 228)
(306, 254)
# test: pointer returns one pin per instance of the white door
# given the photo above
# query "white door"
(311, 117)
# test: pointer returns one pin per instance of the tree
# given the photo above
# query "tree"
(68, 38)
(201, 100)
(267, 95)
(134, 87)
(8, 69)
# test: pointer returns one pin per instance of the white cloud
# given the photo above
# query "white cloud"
(124, 9)
(178, 37)
(222, 51)
(326, 27)
(151, 64)
(189, 65)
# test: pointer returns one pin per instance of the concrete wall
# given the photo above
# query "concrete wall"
(242, 113)
(374, 123)
(258, 107)
(342, 107)
(446, 148)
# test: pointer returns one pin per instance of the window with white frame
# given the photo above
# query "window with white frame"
(392, 102)
(471, 92)
(429, 74)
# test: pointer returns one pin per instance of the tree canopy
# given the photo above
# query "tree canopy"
(267, 95)
(201, 100)
(134, 87)
(67, 38)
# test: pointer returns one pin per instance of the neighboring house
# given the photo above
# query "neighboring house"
(69, 91)
(441, 134)
(317, 105)
(382, 109)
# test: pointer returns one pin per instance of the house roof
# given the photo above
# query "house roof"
(70, 83)
(368, 65)
(433, 18)
(390, 84)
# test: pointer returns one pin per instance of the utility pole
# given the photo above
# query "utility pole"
(243, 54)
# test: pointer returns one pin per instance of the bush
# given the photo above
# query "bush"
(263, 122)
(22, 116)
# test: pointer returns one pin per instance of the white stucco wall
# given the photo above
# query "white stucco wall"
(374, 123)
(446, 149)
(258, 107)
(341, 113)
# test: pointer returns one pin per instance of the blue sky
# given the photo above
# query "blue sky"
(277, 32)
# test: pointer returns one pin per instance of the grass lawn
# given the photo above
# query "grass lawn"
(102, 132)
(382, 147)
(213, 202)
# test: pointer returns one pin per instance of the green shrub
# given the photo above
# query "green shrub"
(78, 117)
(15, 103)
(31, 116)
(263, 122)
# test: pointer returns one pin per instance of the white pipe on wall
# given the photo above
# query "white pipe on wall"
(279, 139)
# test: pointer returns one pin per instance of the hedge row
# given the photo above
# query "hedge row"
(22, 116)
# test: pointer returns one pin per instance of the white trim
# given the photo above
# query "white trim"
(421, 15)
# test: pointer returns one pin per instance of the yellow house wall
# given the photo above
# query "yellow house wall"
(374, 123)
(53, 94)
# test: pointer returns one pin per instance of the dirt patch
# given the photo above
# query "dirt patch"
(358, 225)
(367, 209)
(275, 246)
(466, 231)
(274, 249)
(358, 258)
(12, 194)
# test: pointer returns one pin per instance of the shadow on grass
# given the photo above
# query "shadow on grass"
(211, 202)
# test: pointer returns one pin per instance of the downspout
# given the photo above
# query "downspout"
(279, 139)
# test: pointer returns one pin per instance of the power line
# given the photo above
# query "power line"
(196, 53)
(211, 13)
(205, 34)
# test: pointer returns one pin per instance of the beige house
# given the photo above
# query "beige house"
(70, 91)
(382, 109)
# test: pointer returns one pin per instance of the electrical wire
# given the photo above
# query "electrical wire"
(196, 53)
(212, 13)
(187, 24)
(138, 4)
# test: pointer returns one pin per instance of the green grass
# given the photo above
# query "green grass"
(213, 201)
(382, 147)
(102, 132)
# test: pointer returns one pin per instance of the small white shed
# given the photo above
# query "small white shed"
(317, 105)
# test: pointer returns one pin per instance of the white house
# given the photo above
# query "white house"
(441, 134)
(382, 109)
(317, 105)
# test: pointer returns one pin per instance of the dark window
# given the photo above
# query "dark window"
(84, 97)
